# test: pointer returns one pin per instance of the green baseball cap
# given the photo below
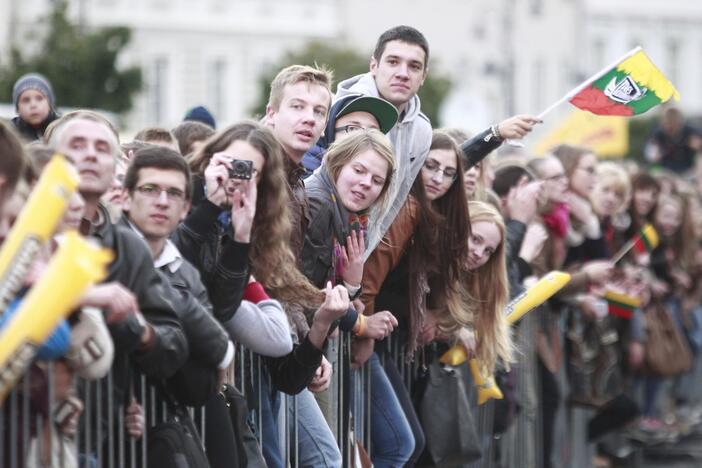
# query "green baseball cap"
(384, 112)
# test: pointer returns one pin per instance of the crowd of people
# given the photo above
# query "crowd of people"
(348, 215)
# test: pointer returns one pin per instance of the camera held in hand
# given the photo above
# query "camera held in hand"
(241, 169)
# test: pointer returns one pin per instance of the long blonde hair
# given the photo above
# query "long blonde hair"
(487, 288)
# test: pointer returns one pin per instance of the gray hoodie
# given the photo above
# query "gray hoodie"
(411, 139)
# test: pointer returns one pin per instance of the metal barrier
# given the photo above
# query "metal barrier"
(28, 420)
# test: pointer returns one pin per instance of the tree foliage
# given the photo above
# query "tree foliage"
(345, 63)
(80, 65)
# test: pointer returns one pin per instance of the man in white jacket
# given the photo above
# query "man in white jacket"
(398, 69)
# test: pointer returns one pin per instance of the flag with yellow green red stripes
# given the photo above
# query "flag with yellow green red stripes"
(621, 304)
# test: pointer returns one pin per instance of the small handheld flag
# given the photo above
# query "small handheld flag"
(621, 305)
(647, 239)
(630, 86)
(643, 242)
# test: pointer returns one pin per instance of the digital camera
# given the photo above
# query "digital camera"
(241, 169)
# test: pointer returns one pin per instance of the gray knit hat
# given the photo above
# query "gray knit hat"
(33, 81)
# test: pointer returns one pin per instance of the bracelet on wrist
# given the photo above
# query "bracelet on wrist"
(361, 326)
(495, 130)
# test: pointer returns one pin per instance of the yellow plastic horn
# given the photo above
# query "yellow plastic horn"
(76, 265)
(536, 295)
(533, 297)
(487, 387)
(35, 225)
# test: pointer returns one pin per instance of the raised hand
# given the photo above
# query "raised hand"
(352, 259)
(516, 127)
(244, 210)
(216, 175)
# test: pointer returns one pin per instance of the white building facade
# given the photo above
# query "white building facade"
(503, 56)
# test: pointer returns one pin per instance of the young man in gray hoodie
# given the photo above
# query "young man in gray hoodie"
(398, 69)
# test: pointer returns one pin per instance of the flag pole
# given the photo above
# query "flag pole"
(587, 82)
(625, 249)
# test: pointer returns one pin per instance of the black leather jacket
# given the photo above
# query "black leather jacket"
(133, 267)
(207, 339)
(222, 262)
(479, 146)
(196, 382)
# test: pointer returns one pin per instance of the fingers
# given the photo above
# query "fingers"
(359, 306)
(351, 246)
(356, 246)
(345, 256)
(393, 321)
(237, 198)
(219, 159)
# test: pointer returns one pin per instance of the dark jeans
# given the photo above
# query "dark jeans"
(550, 399)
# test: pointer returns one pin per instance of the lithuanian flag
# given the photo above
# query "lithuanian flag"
(621, 305)
(646, 240)
(631, 86)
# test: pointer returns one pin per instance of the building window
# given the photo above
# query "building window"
(216, 87)
(157, 90)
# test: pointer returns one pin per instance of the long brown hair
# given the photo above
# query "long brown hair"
(453, 220)
(489, 287)
(440, 247)
(273, 262)
(570, 156)
(683, 242)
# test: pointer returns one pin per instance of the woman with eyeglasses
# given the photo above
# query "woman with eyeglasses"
(419, 262)
(555, 217)
(579, 164)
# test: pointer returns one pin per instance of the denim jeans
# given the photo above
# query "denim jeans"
(391, 434)
(316, 445)
(270, 406)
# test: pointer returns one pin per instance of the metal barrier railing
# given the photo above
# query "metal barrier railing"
(28, 417)
(31, 436)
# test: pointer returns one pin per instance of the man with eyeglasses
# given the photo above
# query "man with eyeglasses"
(157, 195)
(136, 301)
(347, 115)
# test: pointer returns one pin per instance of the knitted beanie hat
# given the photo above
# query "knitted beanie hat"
(33, 81)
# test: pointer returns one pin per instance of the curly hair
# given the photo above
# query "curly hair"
(273, 262)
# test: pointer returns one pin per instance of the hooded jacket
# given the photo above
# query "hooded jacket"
(313, 158)
(411, 139)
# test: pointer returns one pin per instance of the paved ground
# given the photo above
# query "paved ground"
(686, 453)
